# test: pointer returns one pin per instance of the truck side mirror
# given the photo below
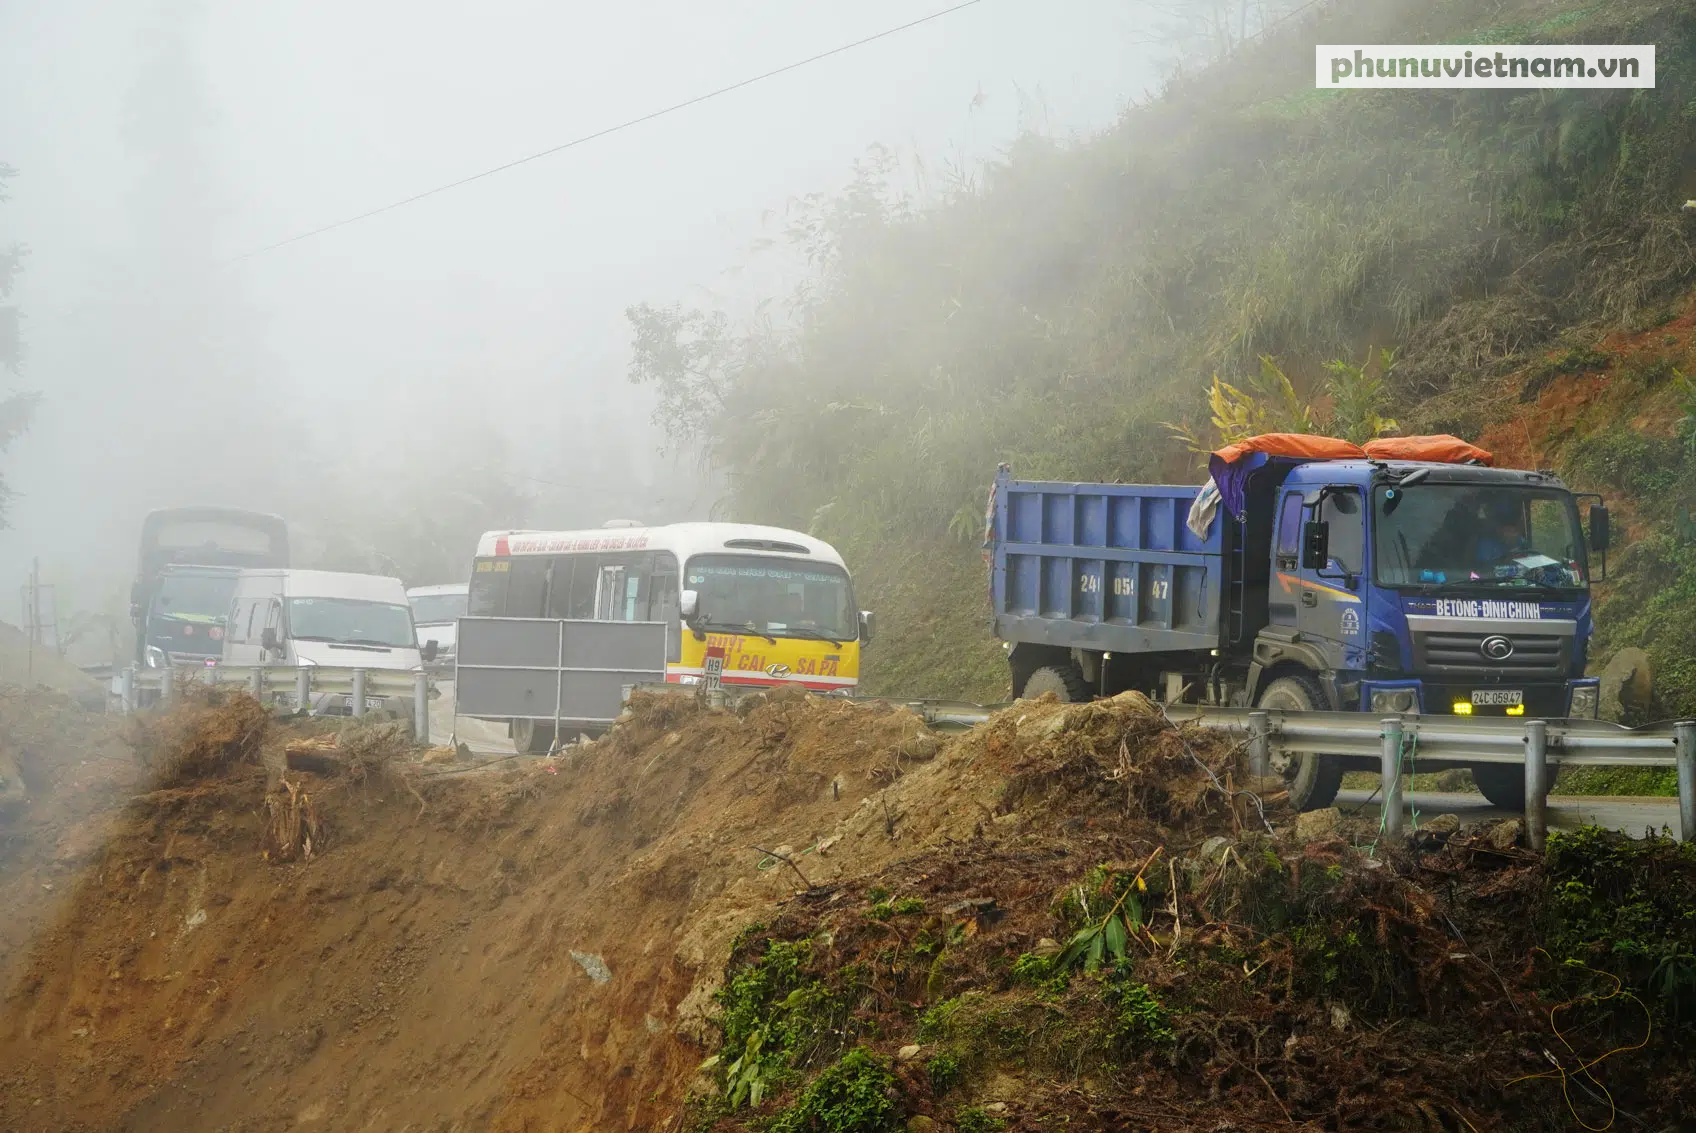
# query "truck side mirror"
(1315, 544)
(268, 640)
(868, 625)
(429, 650)
(690, 604)
(1599, 529)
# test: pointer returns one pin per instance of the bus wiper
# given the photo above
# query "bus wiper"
(747, 628)
(811, 634)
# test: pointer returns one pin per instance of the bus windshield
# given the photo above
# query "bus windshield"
(1478, 536)
(777, 597)
(351, 621)
(195, 596)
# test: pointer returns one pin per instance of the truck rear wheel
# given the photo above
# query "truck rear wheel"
(1065, 681)
(1312, 780)
(531, 737)
(1503, 784)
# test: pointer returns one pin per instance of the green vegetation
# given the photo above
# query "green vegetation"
(1627, 908)
(1284, 939)
(1053, 312)
(976, 1119)
(856, 1095)
(774, 1018)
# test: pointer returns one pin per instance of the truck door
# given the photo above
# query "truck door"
(1286, 562)
(1328, 605)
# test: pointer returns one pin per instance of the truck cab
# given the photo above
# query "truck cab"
(183, 621)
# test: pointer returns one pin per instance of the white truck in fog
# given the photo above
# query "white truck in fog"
(436, 611)
(329, 618)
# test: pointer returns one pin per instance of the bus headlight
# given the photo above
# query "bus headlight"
(155, 657)
(1393, 700)
(1585, 699)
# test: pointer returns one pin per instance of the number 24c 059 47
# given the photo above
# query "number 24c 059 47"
(1123, 585)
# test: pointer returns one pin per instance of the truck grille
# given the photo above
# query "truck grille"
(1443, 653)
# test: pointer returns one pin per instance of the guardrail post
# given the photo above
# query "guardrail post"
(1684, 752)
(126, 688)
(1260, 744)
(1391, 770)
(1536, 783)
(256, 683)
(359, 692)
(303, 689)
(167, 686)
(421, 706)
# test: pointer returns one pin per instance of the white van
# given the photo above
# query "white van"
(320, 617)
(436, 611)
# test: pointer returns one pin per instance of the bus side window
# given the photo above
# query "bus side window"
(662, 604)
(528, 587)
(585, 576)
(629, 602)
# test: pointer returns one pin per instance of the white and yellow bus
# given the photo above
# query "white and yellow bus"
(779, 603)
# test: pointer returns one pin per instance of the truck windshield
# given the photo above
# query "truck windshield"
(1478, 536)
(351, 621)
(773, 596)
(199, 597)
(437, 609)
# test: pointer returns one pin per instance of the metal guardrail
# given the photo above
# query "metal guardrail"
(299, 683)
(1535, 744)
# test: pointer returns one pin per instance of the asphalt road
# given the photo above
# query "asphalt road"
(1566, 812)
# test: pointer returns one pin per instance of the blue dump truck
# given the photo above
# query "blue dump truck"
(1307, 575)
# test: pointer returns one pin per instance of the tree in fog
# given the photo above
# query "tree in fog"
(16, 408)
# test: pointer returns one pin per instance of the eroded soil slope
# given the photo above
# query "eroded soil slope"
(405, 942)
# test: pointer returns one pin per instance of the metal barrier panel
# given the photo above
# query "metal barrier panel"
(553, 669)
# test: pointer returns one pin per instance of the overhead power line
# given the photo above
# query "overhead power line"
(598, 134)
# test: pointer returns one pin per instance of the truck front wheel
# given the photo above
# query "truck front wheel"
(1064, 681)
(1503, 784)
(1312, 780)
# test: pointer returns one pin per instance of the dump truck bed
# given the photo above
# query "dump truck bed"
(1110, 567)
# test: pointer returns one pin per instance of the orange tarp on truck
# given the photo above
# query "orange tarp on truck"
(1439, 449)
(1298, 446)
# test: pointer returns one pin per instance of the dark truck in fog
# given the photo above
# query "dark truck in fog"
(190, 557)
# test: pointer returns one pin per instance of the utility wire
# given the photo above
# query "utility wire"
(598, 134)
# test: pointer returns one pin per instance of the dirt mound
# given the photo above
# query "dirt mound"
(63, 768)
(559, 944)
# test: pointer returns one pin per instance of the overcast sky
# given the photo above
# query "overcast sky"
(157, 138)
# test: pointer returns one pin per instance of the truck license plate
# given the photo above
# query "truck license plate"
(1497, 697)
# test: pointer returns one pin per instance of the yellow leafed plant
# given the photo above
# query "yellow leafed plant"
(1270, 404)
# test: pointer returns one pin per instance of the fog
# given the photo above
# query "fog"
(479, 332)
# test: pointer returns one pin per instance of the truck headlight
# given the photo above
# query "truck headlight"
(1393, 700)
(155, 657)
(1585, 699)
